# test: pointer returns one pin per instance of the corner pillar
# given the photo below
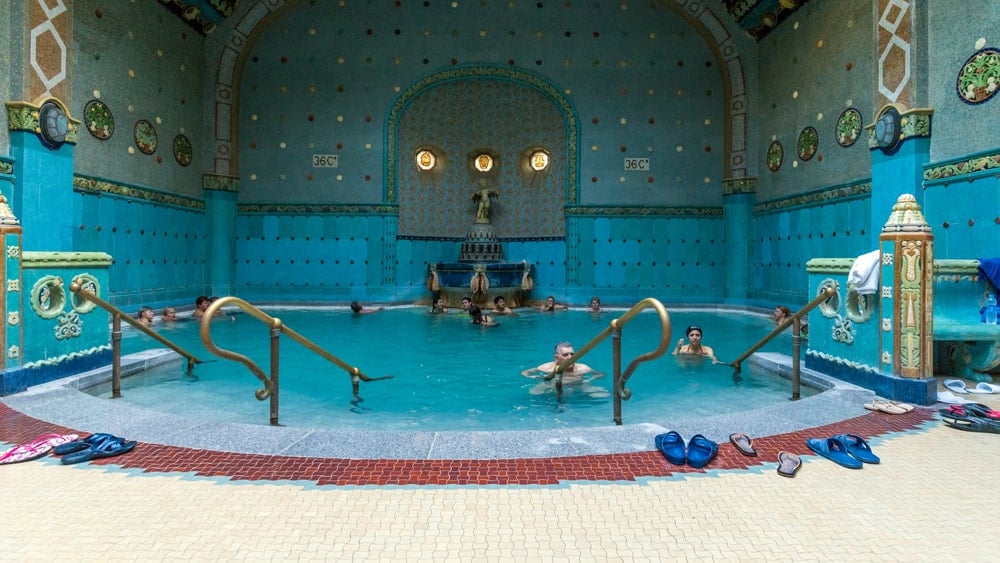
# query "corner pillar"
(220, 193)
(907, 292)
(738, 198)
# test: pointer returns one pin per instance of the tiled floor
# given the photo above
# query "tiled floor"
(931, 499)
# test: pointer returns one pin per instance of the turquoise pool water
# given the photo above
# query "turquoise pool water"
(451, 375)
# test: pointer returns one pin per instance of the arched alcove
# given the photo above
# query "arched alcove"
(463, 110)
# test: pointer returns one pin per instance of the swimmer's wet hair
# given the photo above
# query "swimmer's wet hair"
(693, 327)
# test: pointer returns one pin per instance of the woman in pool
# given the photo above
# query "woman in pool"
(781, 313)
(694, 347)
(438, 307)
(478, 318)
(169, 314)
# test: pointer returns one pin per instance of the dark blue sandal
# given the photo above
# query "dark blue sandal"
(80, 445)
(701, 450)
(108, 448)
(671, 445)
(857, 447)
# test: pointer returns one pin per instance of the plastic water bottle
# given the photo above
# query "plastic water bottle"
(991, 309)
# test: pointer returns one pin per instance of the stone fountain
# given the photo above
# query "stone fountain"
(481, 272)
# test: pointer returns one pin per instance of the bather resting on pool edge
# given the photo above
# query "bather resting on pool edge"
(694, 347)
(573, 374)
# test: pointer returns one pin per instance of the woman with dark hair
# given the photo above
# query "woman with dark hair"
(478, 318)
(694, 347)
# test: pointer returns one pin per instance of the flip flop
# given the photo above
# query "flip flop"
(950, 398)
(970, 409)
(743, 443)
(671, 445)
(788, 464)
(985, 388)
(106, 448)
(974, 424)
(35, 448)
(701, 450)
(956, 386)
(78, 445)
(857, 447)
(882, 405)
(833, 450)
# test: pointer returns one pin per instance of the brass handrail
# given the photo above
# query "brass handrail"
(619, 391)
(116, 336)
(270, 389)
(794, 321)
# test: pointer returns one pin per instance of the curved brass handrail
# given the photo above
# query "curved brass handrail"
(116, 335)
(615, 328)
(793, 321)
(270, 388)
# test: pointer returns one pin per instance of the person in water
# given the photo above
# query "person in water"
(573, 374)
(359, 310)
(694, 347)
(169, 314)
(595, 304)
(479, 318)
(438, 306)
(500, 306)
(781, 314)
(551, 305)
(145, 316)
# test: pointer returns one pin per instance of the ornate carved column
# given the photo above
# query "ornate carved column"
(907, 292)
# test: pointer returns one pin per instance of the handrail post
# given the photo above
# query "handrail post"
(275, 357)
(116, 356)
(616, 365)
(796, 348)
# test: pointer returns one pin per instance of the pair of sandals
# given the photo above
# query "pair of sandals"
(847, 450)
(788, 463)
(95, 446)
(973, 417)
(698, 452)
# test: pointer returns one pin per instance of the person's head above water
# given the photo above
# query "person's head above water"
(692, 328)
(356, 307)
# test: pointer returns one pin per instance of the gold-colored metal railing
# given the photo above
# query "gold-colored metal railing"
(277, 328)
(117, 315)
(795, 321)
(619, 391)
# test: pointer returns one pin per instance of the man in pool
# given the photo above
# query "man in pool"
(694, 347)
(572, 375)
(500, 306)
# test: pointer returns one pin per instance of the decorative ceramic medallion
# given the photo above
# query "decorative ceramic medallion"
(848, 127)
(775, 154)
(99, 119)
(145, 136)
(979, 78)
(182, 150)
(808, 141)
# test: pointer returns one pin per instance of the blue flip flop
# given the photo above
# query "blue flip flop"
(701, 450)
(857, 447)
(671, 445)
(80, 445)
(833, 450)
(107, 448)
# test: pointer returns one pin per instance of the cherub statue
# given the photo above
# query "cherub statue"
(483, 197)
